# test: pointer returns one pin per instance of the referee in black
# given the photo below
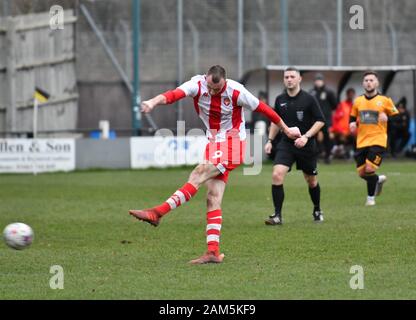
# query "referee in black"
(299, 109)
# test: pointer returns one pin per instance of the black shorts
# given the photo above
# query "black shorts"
(306, 159)
(372, 155)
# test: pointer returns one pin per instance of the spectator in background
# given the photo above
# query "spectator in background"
(262, 96)
(399, 133)
(341, 125)
(328, 103)
(252, 118)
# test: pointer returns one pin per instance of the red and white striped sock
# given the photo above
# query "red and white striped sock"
(214, 221)
(182, 195)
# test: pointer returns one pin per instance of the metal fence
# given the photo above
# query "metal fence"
(210, 35)
(180, 38)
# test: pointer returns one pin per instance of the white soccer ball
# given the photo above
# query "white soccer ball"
(18, 235)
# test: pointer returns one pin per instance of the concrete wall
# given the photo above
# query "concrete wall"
(216, 22)
(116, 108)
(111, 154)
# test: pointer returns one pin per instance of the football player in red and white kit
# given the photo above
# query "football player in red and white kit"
(218, 102)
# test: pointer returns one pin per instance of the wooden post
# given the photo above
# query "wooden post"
(11, 76)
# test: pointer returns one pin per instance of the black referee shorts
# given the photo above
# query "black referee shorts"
(306, 159)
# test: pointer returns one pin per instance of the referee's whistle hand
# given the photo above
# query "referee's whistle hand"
(301, 142)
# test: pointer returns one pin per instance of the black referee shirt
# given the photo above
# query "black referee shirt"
(300, 111)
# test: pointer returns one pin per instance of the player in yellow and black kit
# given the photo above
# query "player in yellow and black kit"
(369, 115)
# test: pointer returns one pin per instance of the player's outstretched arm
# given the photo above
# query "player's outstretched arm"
(292, 133)
(167, 97)
(149, 105)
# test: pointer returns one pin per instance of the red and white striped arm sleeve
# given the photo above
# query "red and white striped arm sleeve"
(174, 95)
(187, 89)
(268, 112)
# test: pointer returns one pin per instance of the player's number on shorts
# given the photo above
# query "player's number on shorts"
(217, 154)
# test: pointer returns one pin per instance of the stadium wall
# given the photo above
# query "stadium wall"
(216, 26)
(388, 34)
(109, 154)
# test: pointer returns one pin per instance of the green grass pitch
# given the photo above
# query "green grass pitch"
(81, 223)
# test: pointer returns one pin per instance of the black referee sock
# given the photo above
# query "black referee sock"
(278, 196)
(372, 180)
(315, 194)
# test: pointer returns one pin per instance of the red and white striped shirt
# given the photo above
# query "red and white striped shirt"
(222, 113)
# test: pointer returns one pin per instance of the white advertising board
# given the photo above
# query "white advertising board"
(163, 152)
(36, 155)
